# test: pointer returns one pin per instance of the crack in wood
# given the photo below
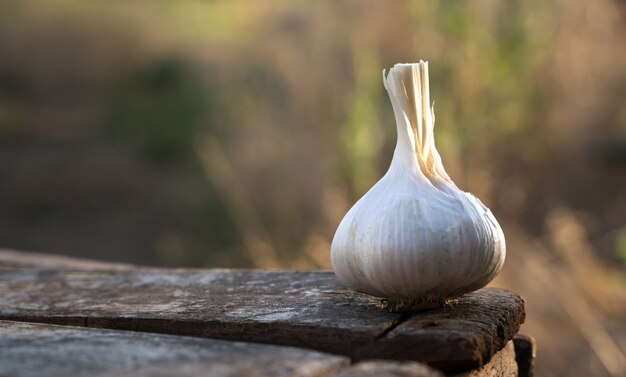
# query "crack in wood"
(403, 317)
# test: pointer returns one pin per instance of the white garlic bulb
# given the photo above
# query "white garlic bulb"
(414, 238)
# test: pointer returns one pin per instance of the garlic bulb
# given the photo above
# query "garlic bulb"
(414, 238)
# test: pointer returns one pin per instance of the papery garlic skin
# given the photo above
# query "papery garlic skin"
(415, 238)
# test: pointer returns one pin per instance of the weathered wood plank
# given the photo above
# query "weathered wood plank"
(291, 308)
(525, 353)
(46, 350)
(306, 309)
(461, 337)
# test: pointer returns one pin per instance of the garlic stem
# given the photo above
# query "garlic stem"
(409, 91)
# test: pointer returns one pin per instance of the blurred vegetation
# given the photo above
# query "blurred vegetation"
(144, 108)
(238, 133)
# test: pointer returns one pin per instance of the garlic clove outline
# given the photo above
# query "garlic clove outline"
(415, 239)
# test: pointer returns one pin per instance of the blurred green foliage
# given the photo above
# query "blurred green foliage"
(360, 137)
(158, 110)
(620, 245)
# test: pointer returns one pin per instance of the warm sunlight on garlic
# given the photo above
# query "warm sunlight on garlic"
(414, 238)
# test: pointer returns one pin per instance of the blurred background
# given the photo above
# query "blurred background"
(238, 133)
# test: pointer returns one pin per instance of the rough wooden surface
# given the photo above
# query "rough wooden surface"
(305, 309)
(525, 353)
(46, 350)
(463, 337)
(383, 368)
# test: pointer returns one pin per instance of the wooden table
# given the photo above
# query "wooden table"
(68, 317)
